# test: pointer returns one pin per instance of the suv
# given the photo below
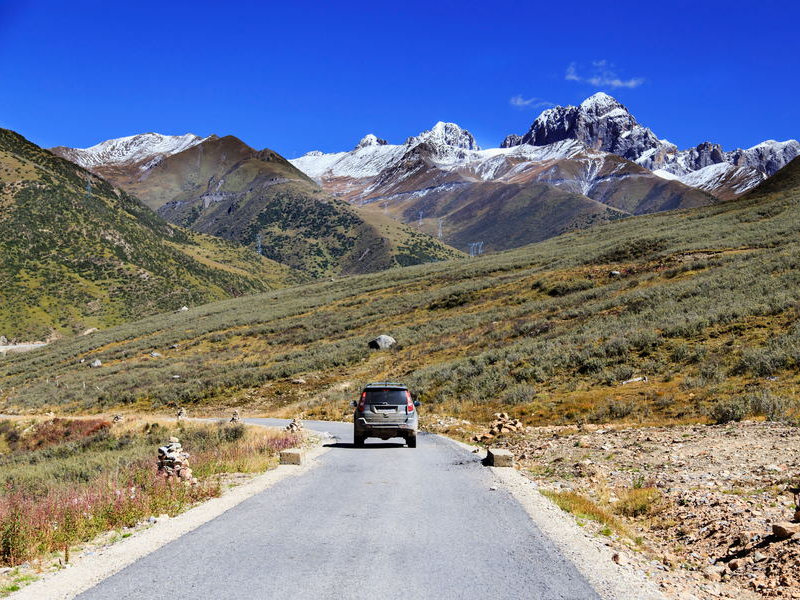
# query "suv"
(385, 410)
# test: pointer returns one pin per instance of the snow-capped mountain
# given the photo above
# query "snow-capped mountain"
(143, 150)
(447, 156)
(442, 176)
(602, 123)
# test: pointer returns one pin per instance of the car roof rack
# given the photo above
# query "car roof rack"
(385, 384)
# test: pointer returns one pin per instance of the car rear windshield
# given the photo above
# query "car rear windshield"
(387, 396)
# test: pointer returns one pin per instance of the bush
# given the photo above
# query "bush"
(726, 411)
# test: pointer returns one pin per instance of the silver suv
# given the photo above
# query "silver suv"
(385, 410)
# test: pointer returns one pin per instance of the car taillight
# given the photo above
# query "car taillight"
(409, 402)
(362, 402)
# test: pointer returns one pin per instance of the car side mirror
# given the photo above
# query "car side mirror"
(353, 403)
(417, 402)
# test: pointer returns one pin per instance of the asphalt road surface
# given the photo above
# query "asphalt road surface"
(383, 521)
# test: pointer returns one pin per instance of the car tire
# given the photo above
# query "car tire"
(358, 441)
(411, 441)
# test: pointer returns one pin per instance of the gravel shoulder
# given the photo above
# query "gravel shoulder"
(593, 558)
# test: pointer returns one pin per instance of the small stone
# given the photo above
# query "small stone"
(96, 363)
(714, 572)
(618, 558)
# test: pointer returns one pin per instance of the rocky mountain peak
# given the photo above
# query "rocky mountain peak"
(443, 136)
(601, 103)
(370, 140)
(600, 122)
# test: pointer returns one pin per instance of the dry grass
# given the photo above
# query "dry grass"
(638, 502)
(67, 480)
(585, 508)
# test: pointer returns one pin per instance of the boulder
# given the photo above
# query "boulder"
(96, 363)
(784, 530)
(3, 340)
(382, 342)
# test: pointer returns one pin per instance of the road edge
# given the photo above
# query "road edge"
(87, 572)
(591, 556)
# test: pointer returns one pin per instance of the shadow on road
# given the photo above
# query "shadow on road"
(366, 446)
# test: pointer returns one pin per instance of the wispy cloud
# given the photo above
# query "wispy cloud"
(519, 102)
(601, 74)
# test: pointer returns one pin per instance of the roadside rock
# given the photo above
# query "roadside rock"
(502, 425)
(296, 426)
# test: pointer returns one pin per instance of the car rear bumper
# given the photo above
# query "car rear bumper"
(363, 426)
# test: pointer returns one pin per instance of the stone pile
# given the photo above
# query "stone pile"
(235, 418)
(502, 425)
(173, 462)
(296, 426)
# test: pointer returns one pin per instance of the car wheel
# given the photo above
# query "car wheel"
(358, 440)
(412, 441)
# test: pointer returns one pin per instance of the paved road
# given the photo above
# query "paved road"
(384, 521)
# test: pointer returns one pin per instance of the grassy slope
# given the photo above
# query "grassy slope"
(76, 253)
(706, 306)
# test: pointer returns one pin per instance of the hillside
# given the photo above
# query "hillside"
(225, 188)
(702, 302)
(75, 253)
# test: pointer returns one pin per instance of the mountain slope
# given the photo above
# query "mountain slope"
(76, 253)
(701, 301)
(223, 187)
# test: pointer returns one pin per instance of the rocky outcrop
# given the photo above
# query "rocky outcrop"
(511, 140)
(369, 140)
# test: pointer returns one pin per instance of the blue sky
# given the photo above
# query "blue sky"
(297, 76)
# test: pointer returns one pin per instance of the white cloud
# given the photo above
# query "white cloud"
(602, 74)
(519, 102)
